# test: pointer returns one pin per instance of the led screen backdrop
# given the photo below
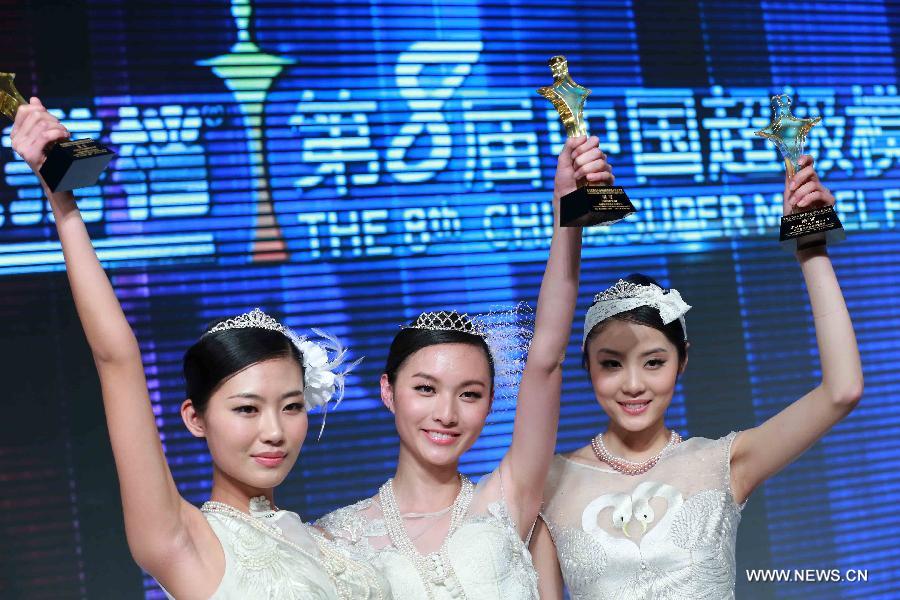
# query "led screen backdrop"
(349, 164)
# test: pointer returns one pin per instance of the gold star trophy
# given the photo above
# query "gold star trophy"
(788, 133)
(70, 164)
(588, 204)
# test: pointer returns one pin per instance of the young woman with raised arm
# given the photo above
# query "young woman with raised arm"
(639, 513)
(250, 382)
(433, 533)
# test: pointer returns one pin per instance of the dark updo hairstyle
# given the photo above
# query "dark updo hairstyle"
(642, 315)
(411, 340)
(218, 356)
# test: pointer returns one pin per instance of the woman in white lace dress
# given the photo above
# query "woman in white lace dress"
(640, 514)
(249, 383)
(433, 533)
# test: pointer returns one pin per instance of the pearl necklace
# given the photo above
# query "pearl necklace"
(436, 568)
(629, 467)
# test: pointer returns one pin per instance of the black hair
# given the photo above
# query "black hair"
(216, 357)
(642, 315)
(408, 341)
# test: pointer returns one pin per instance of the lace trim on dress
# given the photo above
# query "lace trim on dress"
(262, 556)
(729, 443)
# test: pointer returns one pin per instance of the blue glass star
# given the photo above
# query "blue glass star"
(787, 132)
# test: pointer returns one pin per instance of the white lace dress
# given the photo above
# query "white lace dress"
(667, 534)
(482, 558)
(274, 555)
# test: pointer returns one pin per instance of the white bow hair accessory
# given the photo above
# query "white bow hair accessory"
(625, 296)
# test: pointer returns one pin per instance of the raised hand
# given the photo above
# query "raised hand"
(33, 130)
(804, 191)
(581, 159)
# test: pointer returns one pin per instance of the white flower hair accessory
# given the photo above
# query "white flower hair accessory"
(323, 382)
(625, 296)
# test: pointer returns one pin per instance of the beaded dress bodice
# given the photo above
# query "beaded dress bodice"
(477, 555)
(274, 555)
(665, 534)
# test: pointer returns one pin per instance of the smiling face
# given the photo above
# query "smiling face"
(440, 397)
(254, 424)
(633, 371)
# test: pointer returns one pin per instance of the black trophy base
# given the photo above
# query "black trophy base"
(75, 164)
(594, 205)
(811, 228)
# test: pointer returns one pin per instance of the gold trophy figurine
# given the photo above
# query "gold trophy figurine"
(70, 164)
(788, 133)
(588, 204)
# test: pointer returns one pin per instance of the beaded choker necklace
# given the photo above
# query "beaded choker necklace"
(629, 467)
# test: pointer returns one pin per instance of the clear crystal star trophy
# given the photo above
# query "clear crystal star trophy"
(788, 133)
(70, 164)
(589, 204)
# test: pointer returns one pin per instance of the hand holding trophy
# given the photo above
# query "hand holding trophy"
(589, 204)
(802, 226)
(69, 164)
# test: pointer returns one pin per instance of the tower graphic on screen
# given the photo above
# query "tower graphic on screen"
(249, 72)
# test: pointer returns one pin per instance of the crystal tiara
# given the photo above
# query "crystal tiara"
(443, 320)
(254, 318)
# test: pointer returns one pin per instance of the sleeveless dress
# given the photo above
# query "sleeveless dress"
(668, 533)
(482, 557)
(274, 555)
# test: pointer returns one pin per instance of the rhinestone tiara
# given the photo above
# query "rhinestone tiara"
(443, 320)
(621, 289)
(255, 318)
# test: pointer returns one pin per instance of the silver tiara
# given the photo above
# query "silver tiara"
(255, 318)
(443, 320)
(625, 296)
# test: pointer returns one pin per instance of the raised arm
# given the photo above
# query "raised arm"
(155, 513)
(759, 453)
(537, 409)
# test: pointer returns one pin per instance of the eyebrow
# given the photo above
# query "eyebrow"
(252, 396)
(617, 353)
(464, 383)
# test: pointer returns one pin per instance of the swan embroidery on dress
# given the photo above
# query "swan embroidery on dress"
(668, 534)
(658, 547)
(628, 507)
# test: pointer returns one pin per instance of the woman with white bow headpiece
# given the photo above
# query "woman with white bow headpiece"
(639, 513)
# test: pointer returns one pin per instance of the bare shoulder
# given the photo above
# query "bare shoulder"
(584, 455)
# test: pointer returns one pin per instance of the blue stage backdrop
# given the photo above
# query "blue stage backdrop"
(347, 164)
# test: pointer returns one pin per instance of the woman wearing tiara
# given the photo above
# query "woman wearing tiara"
(435, 534)
(639, 513)
(250, 382)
